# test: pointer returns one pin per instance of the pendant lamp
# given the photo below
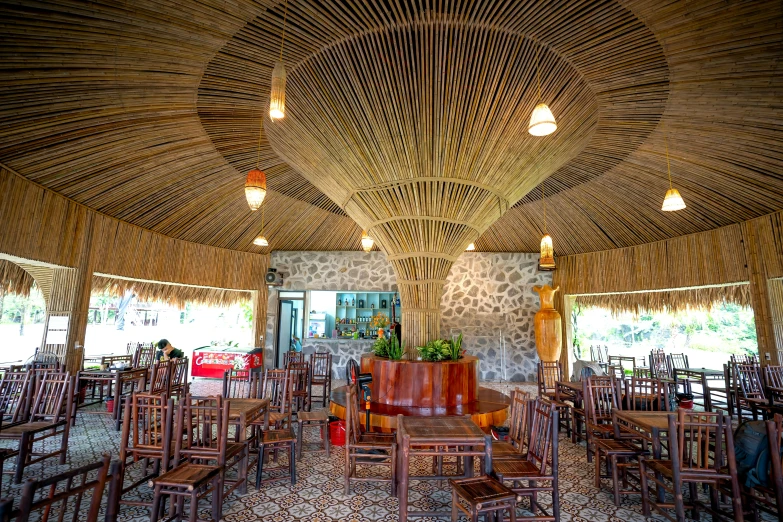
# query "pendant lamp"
(255, 184)
(672, 201)
(367, 241)
(471, 247)
(542, 121)
(547, 259)
(261, 239)
(277, 95)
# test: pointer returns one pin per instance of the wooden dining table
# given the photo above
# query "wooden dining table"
(437, 437)
(651, 426)
(116, 380)
(243, 412)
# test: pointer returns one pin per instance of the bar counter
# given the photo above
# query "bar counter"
(341, 348)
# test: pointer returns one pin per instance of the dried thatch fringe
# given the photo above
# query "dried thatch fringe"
(173, 294)
(669, 300)
(14, 279)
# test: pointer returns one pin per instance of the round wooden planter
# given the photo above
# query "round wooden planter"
(423, 384)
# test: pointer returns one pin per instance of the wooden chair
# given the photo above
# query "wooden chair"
(539, 465)
(292, 357)
(160, 380)
(50, 416)
(109, 360)
(744, 359)
(240, 384)
(300, 372)
(624, 362)
(620, 453)
(147, 437)
(518, 429)
(601, 396)
(367, 449)
(143, 356)
(548, 375)
(483, 496)
(701, 453)
(280, 438)
(773, 380)
(313, 419)
(659, 365)
(750, 391)
(179, 378)
(61, 496)
(203, 425)
(276, 388)
(205, 422)
(321, 375)
(15, 391)
(774, 434)
(677, 361)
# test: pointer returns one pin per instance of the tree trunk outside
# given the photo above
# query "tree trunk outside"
(21, 323)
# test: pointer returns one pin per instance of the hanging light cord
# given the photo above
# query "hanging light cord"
(282, 39)
(668, 166)
(258, 154)
(538, 76)
(262, 219)
(543, 200)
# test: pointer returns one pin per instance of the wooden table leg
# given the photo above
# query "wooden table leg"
(656, 447)
(117, 401)
(402, 490)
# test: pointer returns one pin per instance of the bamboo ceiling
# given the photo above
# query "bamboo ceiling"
(149, 112)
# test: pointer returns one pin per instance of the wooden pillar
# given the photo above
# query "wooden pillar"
(563, 305)
(260, 302)
(775, 288)
(420, 280)
(759, 292)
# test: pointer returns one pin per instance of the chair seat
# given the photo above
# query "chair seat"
(18, 429)
(312, 416)
(502, 449)
(617, 447)
(481, 490)
(275, 417)
(234, 448)
(664, 467)
(277, 436)
(190, 476)
(602, 429)
(513, 469)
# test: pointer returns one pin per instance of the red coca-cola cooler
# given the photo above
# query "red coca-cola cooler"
(213, 361)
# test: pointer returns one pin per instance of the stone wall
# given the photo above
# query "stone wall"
(488, 297)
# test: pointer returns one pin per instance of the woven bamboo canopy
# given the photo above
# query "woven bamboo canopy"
(172, 294)
(408, 119)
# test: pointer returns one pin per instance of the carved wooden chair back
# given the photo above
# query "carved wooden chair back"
(203, 425)
(62, 497)
(160, 382)
(292, 357)
(300, 378)
(677, 361)
(278, 389)
(541, 435)
(600, 394)
(15, 390)
(353, 421)
(108, 360)
(320, 367)
(773, 376)
(659, 366)
(240, 384)
(179, 377)
(744, 359)
(53, 395)
(774, 435)
(147, 428)
(647, 395)
(596, 354)
(519, 418)
(704, 441)
(144, 356)
(748, 378)
(548, 375)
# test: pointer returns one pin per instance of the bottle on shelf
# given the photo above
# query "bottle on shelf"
(353, 302)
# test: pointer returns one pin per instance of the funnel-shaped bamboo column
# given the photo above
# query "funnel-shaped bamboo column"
(424, 148)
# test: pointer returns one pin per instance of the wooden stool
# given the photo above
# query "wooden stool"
(617, 455)
(483, 495)
(273, 440)
(313, 419)
(188, 480)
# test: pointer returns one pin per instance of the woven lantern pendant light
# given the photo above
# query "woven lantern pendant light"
(672, 201)
(261, 239)
(367, 241)
(471, 247)
(547, 260)
(542, 121)
(255, 183)
(277, 95)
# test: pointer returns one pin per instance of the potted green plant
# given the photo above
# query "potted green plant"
(441, 350)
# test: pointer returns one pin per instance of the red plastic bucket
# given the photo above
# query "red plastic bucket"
(686, 404)
(337, 433)
(110, 405)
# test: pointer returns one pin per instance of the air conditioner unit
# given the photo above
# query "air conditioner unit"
(273, 278)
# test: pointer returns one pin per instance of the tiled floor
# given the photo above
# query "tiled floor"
(318, 494)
